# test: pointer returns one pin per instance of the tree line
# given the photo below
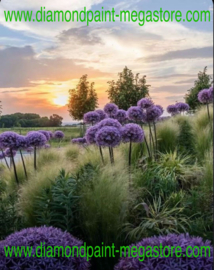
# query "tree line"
(29, 120)
(125, 92)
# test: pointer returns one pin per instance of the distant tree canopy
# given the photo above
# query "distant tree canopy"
(128, 89)
(204, 81)
(29, 120)
(82, 99)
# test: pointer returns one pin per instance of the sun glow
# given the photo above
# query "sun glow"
(60, 100)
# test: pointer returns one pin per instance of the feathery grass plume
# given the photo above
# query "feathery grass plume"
(49, 237)
(167, 135)
(183, 241)
(72, 152)
(91, 117)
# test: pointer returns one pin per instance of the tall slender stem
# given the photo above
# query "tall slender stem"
(147, 146)
(23, 163)
(110, 154)
(156, 141)
(101, 153)
(14, 166)
(208, 111)
(35, 167)
(152, 139)
(5, 159)
(130, 154)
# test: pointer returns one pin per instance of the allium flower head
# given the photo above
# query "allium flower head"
(46, 133)
(211, 92)
(205, 96)
(59, 134)
(160, 108)
(169, 262)
(90, 134)
(2, 155)
(172, 109)
(30, 149)
(102, 114)
(110, 109)
(132, 133)
(21, 142)
(47, 146)
(135, 113)
(50, 134)
(121, 116)
(108, 136)
(145, 103)
(91, 117)
(110, 123)
(152, 114)
(36, 139)
(8, 139)
(10, 153)
(182, 107)
(79, 141)
(50, 238)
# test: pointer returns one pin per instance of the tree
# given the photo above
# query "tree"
(204, 81)
(0, 108)
(82, 99)
(55, 120)
(128, 89)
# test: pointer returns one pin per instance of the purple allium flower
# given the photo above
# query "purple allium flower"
(135, 113)
(50, 134)
(8, 152)
(30, 149)
(46, 133)
(182, 107)
(172, 109)
(49, 237)
(21, 142)
(132, 133)
(211, 92)
(169, 262)
(205, 96)
(145, 103)
(91, 117)
(108, 136)
(102, 114)
(90, 134)
(152, 114)
(8, 139)
(110, 109)
(160, 108)
(79, 140)
(47, 146)
(36, 139)
(2, 155)
(121, 116)
(59, 134)
(110, 123)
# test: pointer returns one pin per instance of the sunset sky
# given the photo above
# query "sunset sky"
(40, 62)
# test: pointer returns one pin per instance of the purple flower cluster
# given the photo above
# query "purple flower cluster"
(205, 96)
(79, 141)
(132, 133)
(46, 133)
(58, 134)
(49, 237)
(172, 109)
(182, 107)
(90, 134)
(8, 139)
(121, 116)
(110, 109)
(102, 114)
(91, 117)
(110, 123)
(36, 139)
(152, 114)
(145, 103)
(108, 136)
(9, 152)
(135, 113)
(168, 262)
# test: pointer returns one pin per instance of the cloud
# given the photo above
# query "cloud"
(191, 81)
(169, 89)
(20, 66)
(206, 52)
(15, 91)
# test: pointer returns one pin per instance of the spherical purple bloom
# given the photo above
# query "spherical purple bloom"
(172, 109)
(50, 134)
(50, 238)
(135, 113)
(182, 107)
(30, 149)
(132, 133)
(46, 133)
(170, 260)
(108, 136)
(121, 116)
(211, 92)
(2, 155)
(21, 142)
(102, 114)
(47, 146)
(145, 103)
(36, 139)
(9, 152)
(110, 109)
(59, 134)
(160, 108)
(205, 96)
(79, 140)
(91, 117)
(110, 123)
(152, 114)
(8, 139)
(91, 133)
